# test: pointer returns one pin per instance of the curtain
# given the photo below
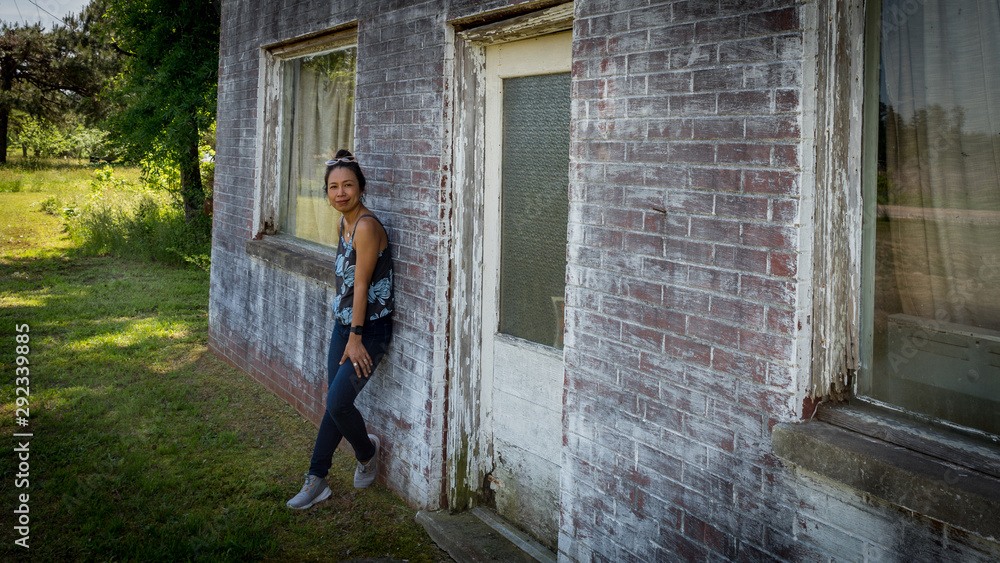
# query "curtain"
(939, 183)
(322, 123)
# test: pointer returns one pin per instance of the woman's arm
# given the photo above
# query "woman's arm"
(367, 240)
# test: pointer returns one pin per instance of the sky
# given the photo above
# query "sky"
(34, 11)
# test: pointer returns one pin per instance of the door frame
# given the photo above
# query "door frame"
(468, 446)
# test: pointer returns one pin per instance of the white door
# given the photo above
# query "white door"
(527, 119)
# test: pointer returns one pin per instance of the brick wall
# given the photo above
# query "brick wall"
(687, 305)
(682, 299)
(688, 282)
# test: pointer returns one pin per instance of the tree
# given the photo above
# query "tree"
(46, 74)
(165, 97)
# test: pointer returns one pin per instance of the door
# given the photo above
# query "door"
(526, 205)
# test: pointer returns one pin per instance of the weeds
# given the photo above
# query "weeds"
(130, 220)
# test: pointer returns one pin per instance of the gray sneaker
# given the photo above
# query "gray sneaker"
(365, 474)
(312, 492)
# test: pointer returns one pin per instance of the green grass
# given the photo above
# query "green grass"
(146, 447)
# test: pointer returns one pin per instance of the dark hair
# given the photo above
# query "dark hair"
(352, 166)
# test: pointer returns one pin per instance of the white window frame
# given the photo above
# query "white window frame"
(270, 178)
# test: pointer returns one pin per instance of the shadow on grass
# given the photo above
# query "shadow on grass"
(146, 447)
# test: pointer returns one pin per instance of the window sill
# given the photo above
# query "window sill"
(295, 255)
(927, 485)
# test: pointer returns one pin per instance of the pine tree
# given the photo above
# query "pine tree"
(46, 74)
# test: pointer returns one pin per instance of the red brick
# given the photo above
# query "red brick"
(669, 36)
(783, 264)
(622, 219)
(718, 128)
(641, 337)
(684, 299)
(781, 320)
(715, 229)
(744, 102)
(643, 243)
(693, 104)
(694, 56)
(767, 289)
(666, 176)
(624, 174)
(718, 29)
(720, 78)
(648, 292)
(675, 82)
(710, 383)
(604, 238)
(652, 61)
(772, 127)
(740, 258)
(714, 279)
(769, 235)
(701, 203)
(649, 151)
(664, 271)
(739, 364)
(766, 344)
(786, 100)
(662, 319)
(718, 179)
(784, 211)
(746, 50)
(744, 153)
(785, 19)
(605, 151)
(687, 350)
(671, 128)
(737, 310)
(687, 250)
(741, 207)
(713, 331)
(643, 198)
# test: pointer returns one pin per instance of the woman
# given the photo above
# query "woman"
(361, 334)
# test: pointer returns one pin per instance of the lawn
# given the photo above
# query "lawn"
(144, 446)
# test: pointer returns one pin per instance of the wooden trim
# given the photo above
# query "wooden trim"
(307, 45)
(836, 206)
(542, 22)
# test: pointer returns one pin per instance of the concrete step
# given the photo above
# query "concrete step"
(480, 536)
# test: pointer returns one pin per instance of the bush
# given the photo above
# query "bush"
(14, 185)
(128, 220)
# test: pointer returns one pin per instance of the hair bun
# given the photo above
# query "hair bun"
(342, 153)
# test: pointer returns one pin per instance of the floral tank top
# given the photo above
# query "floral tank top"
(380, 299)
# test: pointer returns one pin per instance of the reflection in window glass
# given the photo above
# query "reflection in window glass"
(534, 206)
(936, 346)
(318, 119)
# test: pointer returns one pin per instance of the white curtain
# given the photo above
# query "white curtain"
(322, 123)
(940, 181)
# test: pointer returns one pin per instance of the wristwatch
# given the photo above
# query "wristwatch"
(356, 329)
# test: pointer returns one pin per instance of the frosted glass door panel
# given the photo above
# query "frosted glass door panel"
(534, 206)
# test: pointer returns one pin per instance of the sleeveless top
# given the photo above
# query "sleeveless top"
(380, 300)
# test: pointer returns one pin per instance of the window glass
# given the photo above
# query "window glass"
(534, 206)
(317, 120)
(936, 322)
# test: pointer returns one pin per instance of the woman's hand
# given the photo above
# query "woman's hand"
(355, 353)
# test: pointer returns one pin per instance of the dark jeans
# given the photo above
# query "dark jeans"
(342, 419)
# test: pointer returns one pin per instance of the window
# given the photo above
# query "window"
(931, 305)
(307, 115)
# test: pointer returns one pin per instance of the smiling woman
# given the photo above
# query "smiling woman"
(362, 307)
